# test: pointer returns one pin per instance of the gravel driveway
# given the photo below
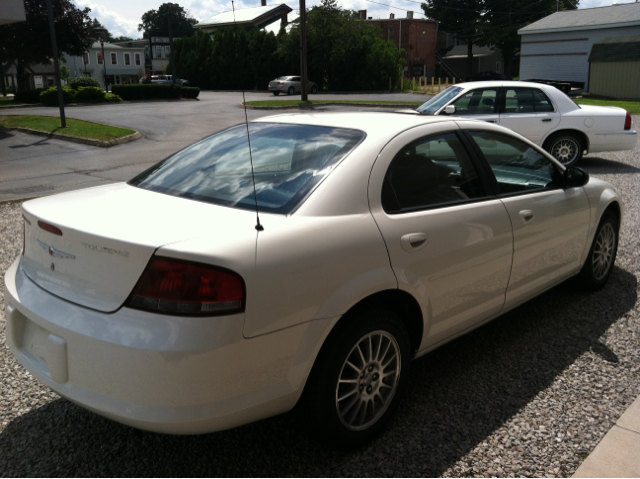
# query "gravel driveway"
(529, 394)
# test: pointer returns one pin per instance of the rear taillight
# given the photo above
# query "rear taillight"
(627, 122)
(178, 287)
(281, 83)
(50, 228)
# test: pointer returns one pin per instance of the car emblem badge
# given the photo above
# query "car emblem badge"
(56, 253)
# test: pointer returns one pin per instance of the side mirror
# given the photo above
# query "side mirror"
(449, 110)
(575, 177)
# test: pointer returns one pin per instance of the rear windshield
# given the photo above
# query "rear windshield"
(288, 162)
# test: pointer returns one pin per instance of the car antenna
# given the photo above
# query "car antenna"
(259, 227)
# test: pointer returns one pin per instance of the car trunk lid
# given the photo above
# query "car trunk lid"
(108, 235)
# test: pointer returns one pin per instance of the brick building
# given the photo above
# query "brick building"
(418, 37)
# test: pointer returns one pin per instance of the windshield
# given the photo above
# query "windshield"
(438, 101)
(288, 161)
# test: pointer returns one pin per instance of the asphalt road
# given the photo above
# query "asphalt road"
(32, 166)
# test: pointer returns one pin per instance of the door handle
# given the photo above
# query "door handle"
(546, 119)
(490, 121)
(413, 241)
(526, 215)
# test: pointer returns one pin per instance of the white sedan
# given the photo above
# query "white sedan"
(207, 293)
(541, 113)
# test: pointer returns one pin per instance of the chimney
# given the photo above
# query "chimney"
(283, 18)
(409, 15)
(392, 16)
(362, 14)
(263, 3)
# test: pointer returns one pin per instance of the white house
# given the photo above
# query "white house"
(557, 47)
(120, 65)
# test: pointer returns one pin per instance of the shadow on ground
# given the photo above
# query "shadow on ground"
(458, 395)
(600, 166)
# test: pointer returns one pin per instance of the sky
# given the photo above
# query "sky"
(121, 17)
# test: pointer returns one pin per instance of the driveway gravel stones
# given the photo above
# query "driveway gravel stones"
(529, 394)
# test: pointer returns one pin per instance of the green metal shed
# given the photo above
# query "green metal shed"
(614, 67)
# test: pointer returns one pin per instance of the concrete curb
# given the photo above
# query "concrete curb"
(23, 105)
(328, 103)
(75, 139)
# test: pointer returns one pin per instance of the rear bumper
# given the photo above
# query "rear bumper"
(159, 373)
(280, 88)
(613, 141)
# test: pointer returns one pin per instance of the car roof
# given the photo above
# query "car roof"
(373, 123)
(505, 83)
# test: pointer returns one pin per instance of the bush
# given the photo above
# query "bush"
(11, 89)
(90, 94)
(190, 92)
(28, 96)
(50, 97)
(111, 98)
(79, 82)
(146, 92)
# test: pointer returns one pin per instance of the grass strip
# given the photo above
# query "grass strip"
(6, 99)
(76, 128)
(324, 102)
(632, 107)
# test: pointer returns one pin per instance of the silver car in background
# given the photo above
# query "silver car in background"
(290, 85)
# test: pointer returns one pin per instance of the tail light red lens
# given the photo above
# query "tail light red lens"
(627, 122)
(50, 228)
(184, 288)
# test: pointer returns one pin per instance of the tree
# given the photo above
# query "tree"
(503, 19)
(155, 22)
(461, 18)
(65, 72)
(30, 42)
(121, 38)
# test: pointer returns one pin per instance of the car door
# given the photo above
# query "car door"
(479, 104)
(296, 83)
(528, 111)
(550, 222)
(449, 239)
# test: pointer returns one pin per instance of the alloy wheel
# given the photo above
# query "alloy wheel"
(566, 150)
(603, 251)
(368, 380)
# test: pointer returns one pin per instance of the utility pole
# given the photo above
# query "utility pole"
(172, 55)
(303, 50)
(56, 64)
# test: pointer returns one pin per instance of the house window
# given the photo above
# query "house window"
(85, 58)
(137, 57)
(390, 34)
(114, 58)
(127, 59)
(99, 57)
(158, 51)
(497, 67)
(167, 51)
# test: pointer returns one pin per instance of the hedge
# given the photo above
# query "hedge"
(146, 92)
(50, 97)
(76, 83)
(111, 98)
(28, 96)
(190, 92)
(90, 94)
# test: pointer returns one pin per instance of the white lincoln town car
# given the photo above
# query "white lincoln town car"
(221, 287)
(541, 113)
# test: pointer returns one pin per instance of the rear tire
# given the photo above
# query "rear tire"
(276, 93)
(358, 379)
(602, 254)
(566, 147)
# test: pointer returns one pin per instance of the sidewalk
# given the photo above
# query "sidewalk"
(618, 454)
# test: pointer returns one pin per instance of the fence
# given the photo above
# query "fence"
(428, 85)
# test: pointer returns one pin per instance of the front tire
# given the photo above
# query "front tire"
(602, 255)
(566, 147)
(314, 90)
(358, 379)
(290, 91)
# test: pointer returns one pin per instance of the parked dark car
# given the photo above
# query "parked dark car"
(484, 76)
